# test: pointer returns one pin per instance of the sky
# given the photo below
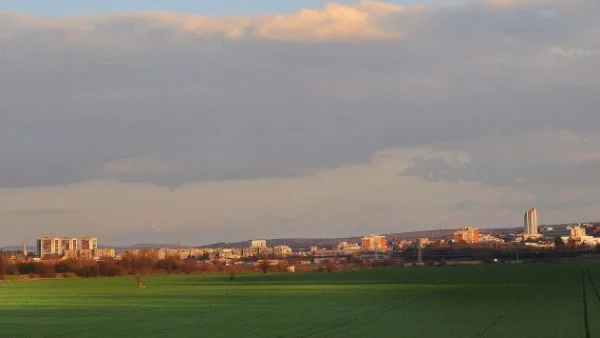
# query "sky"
(58, 8)
(195, 122)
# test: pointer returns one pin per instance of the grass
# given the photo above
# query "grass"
(527, 300)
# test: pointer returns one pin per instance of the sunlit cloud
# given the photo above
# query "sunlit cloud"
(362, 20)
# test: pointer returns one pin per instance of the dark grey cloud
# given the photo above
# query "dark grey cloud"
(531, 161)
(212, 108)
(433, 169)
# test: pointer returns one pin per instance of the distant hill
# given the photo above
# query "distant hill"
(306, 243)
(19, 248)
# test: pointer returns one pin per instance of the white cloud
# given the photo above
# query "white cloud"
(573, 53)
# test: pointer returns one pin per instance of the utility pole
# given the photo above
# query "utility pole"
(419, 252)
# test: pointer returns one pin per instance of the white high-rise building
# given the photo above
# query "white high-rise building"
(70, 246)
(258, 243)
(530, 222)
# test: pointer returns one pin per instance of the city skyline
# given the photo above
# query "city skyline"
(162, 122)
(530, 227)
(87, 248)
(468, 234)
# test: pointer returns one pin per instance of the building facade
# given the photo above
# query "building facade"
(258, 243)
(69, 247)
(374, 243)
(348, 248)
(106, 253)
(89, 243)
(468, 235)
(47, 246)
(578, 236)
(530, 222)
(282, 250)
(577, 231)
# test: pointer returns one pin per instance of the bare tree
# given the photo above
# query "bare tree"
(139, 278)
(331, 266)
(282, 267)
(232, 272)
(264, 266)
(143, 264)
(2, 267)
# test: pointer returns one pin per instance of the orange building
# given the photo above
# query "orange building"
(468, 235)
(374, 242)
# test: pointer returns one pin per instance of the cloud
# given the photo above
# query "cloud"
(329, 203)
(540, 158)
(149, 104)
(467, 205)
(299, 121)
(333, 22)
(137, 169)
(516, 3)
(574, 53)
(434, 169)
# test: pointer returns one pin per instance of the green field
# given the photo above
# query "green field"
(526, 300)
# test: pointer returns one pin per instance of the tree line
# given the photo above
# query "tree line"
(130, 264)
(139, 265)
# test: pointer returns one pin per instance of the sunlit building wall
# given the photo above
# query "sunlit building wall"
(374, 243)
(530, 222)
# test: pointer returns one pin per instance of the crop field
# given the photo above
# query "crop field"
(525, 300)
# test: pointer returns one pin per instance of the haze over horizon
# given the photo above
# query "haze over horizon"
(207, 123)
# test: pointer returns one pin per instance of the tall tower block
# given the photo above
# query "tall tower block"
(530, 223)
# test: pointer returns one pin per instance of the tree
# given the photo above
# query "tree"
(282, 266)
(139, 279)
(558, 242)
(2, 267)
(189, 265)
(232, 271)
(109, 267)
(46, 270)
(171, 264)
(264, 266)
(331, 266)
(141, 264)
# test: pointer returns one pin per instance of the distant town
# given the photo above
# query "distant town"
(369, 248)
